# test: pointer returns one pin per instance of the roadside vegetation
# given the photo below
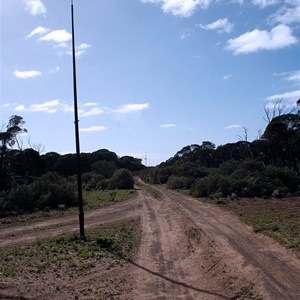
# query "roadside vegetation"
(69, 256)
(279, 219)
(31, 181)
(92, 200)
(267, 167)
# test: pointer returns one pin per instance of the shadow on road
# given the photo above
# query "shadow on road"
(169, 279)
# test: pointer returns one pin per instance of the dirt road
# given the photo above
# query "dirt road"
(188, 250)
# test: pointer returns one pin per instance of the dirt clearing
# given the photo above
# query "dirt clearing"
(187, 249)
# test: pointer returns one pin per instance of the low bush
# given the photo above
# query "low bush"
(122, 179)
(176, 183)
(50, 190)
(248, 178)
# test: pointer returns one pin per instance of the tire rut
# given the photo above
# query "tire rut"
(274, 270)
(165, 264)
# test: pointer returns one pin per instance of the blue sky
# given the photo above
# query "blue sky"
(153, 75)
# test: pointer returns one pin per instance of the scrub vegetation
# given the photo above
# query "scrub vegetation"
(68, 255)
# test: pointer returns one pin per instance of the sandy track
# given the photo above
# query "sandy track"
(189, 250)
(240, 254)
(19, 234)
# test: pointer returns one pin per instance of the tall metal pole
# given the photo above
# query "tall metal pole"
(79, 181)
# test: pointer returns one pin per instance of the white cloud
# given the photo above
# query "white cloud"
(57, 36)
(35, 7)
(232, 126)
(127, 108)
(86, 110)
(96, 110)
(92, 112)
(61, 45)
(279, 37)
(20, 108)
(291, 97)
(55, 70)
(227, 76)
(83, 46)
(264, 3)
(167, 125)
(93, 129)
(184, 35)
(37, 31)
(293, 76)
(51, 106)
(293, 2)
(61, 39)
(90, 104)
(286, 15)
(79, 50)
(221, 25)
(27, 74)
(184, 8)
(48, 106)
(66, 107)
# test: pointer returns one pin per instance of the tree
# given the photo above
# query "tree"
(207, 145)
(103, 167)
(131, 163)
(283, 135)
(8, 138)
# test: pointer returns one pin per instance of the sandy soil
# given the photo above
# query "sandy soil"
(188, 250)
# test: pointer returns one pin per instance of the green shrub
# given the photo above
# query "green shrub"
(49, 190)
(175, 183)
(122, 179)
(199, 188)
(21, 198)
(92, 181)
(284, 177)
(105, 168)
(248, 178)
(60, 194)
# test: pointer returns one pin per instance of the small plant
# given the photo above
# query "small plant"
(233, 196)
(247, 292)
(221, 201)
(193, 233)
(112, 195)
(9, 272)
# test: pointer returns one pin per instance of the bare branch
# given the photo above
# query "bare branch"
(40, 148)
(278, 109)
(244, 137)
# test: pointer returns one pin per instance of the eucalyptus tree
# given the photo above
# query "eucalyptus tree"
(8, 139)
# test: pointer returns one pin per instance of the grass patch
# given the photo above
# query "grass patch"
(153, 192)
(98, 198)
(66, 253)
(92, 200)
(247, 292)
(193, 233)
(279, 219)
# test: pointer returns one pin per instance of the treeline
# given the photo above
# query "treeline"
(22, 166)
(268, 166)
(34, 181)
(29, 180)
